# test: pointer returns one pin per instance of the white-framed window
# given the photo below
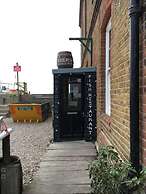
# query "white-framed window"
(107, 69)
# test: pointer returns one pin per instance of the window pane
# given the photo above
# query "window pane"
(74, 94)
(107, 70)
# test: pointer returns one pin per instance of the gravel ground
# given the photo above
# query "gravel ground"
(29, 141)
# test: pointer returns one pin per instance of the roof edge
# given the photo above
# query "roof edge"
(74, 70)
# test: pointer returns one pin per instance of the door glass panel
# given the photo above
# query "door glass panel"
(74, 94)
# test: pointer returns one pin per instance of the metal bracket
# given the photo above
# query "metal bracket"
(88, 45)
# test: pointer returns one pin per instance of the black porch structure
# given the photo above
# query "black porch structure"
(74, 113)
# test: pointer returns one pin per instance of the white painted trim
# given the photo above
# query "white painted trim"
(107, 72)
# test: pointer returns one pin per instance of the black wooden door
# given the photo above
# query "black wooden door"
(72, 106)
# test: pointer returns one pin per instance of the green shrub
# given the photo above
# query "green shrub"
(110, 175)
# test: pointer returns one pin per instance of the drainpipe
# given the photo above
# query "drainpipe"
(134, 85)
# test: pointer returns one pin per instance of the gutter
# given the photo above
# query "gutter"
(134, 85)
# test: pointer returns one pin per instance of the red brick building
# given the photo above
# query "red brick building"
(114, 45)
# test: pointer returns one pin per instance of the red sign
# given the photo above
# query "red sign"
(17, 68)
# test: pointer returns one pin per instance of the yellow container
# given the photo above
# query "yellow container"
(26, 112)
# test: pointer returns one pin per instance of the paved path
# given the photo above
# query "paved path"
(64, 169)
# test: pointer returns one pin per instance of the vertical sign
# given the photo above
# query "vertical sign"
(90, 107)
(90, 111)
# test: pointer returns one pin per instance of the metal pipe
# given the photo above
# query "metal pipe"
(134, 85)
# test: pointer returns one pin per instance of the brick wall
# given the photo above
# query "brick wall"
(89, 7)
(112, 129)
(120, 83)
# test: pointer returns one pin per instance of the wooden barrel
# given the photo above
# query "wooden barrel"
(64, 59)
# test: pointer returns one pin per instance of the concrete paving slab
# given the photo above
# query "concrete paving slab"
(56, 178)
(64, 165)
(60, 189)
(64, 169)
(69, 158)
(69, 153)
(72, 145)
(67, 164)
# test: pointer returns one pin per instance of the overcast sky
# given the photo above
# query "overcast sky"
(32, 32)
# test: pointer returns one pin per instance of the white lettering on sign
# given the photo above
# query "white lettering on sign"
(90, 113)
